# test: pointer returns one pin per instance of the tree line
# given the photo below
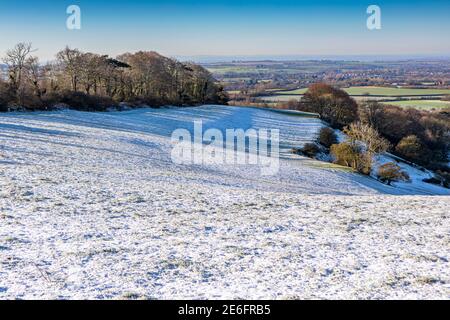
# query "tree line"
(421, 137)
(89, 81)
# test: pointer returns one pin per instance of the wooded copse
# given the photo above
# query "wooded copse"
(89, 81)
(419, 136)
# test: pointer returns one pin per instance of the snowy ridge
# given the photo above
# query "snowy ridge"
(91, 206)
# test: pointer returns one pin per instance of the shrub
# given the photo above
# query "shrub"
(29, 101)
(445, 178)
(6, 96)
(391, 172)
(351, 155)
(310, 150)
(327, 137)
(442, 174)
(83, 102)
(142, 101)
(358, 131)
(413, 149)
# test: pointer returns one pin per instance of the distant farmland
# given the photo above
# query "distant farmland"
(420, 104)
(281, 98)
(380, 91)
(394, 92)
(393, 96)
(293, 92)
(289, 97)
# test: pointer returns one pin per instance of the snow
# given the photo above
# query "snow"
(416, 176)
(92, 207)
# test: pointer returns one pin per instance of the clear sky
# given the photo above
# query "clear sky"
(229, 27)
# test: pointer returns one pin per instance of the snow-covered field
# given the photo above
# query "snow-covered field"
(92, 207)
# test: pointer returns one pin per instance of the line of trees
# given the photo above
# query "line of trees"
(89, 81)
(421, 137)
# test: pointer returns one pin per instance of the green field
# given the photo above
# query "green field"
(380, 91)
(377, 93)
(393, 92)
(293, 92)
(420, 104)
(287, 97)
(281, 98)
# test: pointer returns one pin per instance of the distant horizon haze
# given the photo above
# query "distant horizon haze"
(206, 30)
(361, 58)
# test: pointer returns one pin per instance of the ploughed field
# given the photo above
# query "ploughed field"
(92, 206)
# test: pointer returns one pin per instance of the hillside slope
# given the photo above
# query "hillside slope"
(91, 206)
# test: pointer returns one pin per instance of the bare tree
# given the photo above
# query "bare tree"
(86, 79)
(15, 60)
(35, 74)
(360, 132)
(71, 63)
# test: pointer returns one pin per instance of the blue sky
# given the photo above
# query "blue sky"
(221, 27)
